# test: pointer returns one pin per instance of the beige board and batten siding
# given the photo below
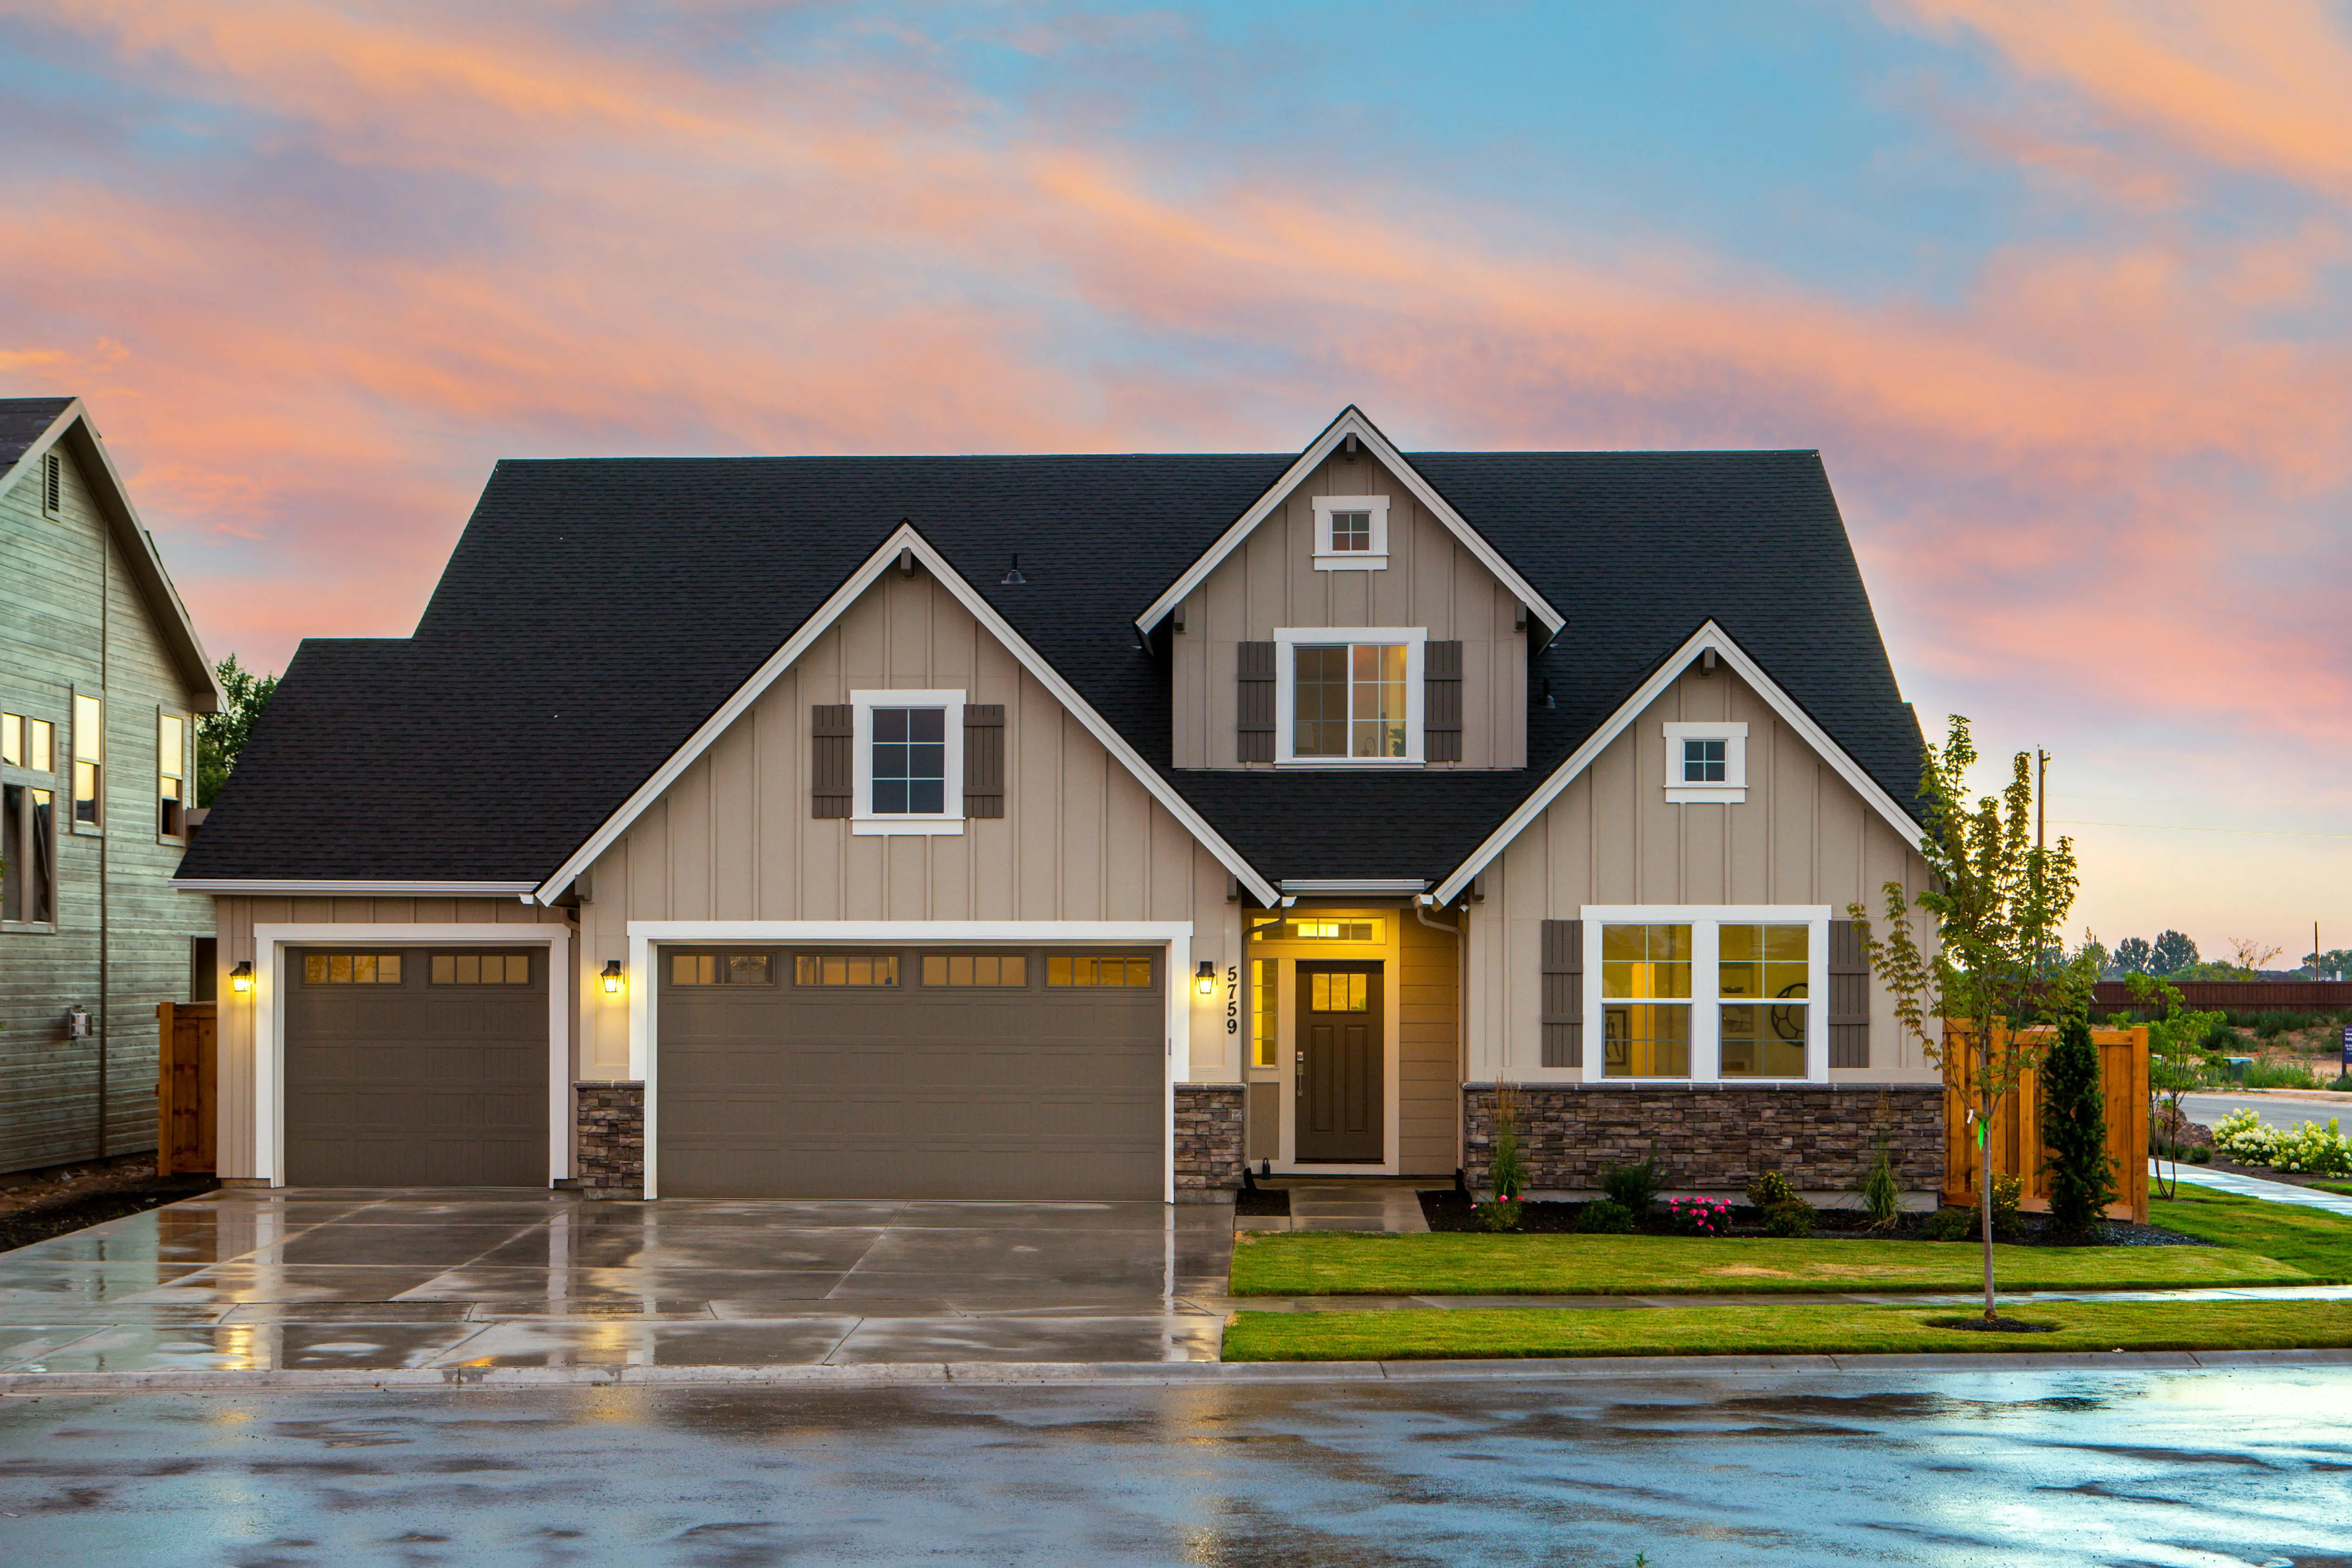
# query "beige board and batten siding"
(733, 839)
(1803, 836)
(238, 913)
(1271, 581)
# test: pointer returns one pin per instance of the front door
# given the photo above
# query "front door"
(1338, 1088)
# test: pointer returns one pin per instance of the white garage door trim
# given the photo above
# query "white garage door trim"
(269, 1020)
(645, 935)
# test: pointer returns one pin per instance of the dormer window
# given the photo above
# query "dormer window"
(1348, 696)
(1706, 763)
(1351, 533)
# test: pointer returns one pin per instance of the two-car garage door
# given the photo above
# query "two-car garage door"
(911, 1073)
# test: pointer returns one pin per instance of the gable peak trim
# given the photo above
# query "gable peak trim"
(1353, 427)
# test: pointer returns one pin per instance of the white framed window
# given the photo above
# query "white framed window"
(1706, 993)
(1349, 696)
(1706, 762)
(908, 754)
(1351, 533)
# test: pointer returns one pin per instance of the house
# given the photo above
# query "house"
(1043, 827)
(100, 675)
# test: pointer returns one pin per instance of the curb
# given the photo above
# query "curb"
(1003, 1373)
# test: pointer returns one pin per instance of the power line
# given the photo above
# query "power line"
(2183, 827)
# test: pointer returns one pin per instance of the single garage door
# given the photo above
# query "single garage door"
(417, 1067)
(911, 1073)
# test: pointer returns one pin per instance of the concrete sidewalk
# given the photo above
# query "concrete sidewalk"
(2255, 1186)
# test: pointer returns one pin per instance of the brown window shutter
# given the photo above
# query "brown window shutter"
(1441, 701)
(983, 759)
(1256, 726)
(832, 775)
(1563, 993)
(1849, 996)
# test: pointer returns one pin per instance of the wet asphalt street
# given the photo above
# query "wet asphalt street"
(2209, 1468)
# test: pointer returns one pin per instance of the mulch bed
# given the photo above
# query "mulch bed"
(1262, 1203)
(72, 1197)
(1453, 1210)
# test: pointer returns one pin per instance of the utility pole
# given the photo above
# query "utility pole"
(2041, 794)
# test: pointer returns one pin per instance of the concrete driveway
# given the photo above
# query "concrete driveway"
(318, 1278)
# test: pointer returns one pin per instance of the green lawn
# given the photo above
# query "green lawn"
(2337, 1187)
(1787, 1329)
(2318, 1242)
(1320, 1263)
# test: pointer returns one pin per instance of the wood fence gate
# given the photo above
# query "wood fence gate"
(187, 1067)
(2017, 1128)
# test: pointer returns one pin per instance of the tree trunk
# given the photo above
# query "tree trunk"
(1984, 1157)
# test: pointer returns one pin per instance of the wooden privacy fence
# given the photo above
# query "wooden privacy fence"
(2239, 996)
(185, 1070)
(2017, 1128)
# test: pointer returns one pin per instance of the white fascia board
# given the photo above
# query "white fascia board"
(904, 538)
(224, 886)
(1351, 421)
(140, 544)
(1709, 635)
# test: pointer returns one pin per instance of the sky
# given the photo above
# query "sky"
(2060, 289)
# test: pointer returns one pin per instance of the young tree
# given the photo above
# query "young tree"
(2074, 1132)
(2173, 952)
(2176, 1064)
(1999, 903)
(2252, 953)
(2132, 955)
(221, 735)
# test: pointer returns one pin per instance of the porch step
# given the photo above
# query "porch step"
(1352, 1207)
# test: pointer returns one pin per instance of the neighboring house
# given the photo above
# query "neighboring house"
(101, 677)
(1081, 826)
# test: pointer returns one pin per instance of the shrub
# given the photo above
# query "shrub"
(2315, 1146)
(1635, 1187)
(1882, 1199)
(1792, 1219)
(2074, 1133)
(1698, 1216)
(2007, 1190)
(1948, 1225)
(1771, 1190)
(1500, 1213)
(1604, 1217)
(1508, 1174)
(2199, 1154)
(2263, 1074)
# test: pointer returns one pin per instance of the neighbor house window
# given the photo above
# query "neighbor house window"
(1266, 1022)
(845, 969)
(1352, 701)
(88, 759)
(1645, 986)
(975, 969)
(1073, 970)
(351, 968)
(719, 969)
(481, 968)
(27, 743)
(29, 855)
(1714, 993)
(1764, 981)
(171, 774)
(1351, 533)
(910, 762)
(1706, 763)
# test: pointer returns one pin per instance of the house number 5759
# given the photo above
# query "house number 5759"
(1232, 998)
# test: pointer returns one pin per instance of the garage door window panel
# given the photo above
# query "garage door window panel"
(853, 970)
(1086, 969)
(351, 968)
(721, 969)
(994, 970)
(481, 968)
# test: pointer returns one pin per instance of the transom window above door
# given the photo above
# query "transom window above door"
(909, 755)
(1353, 696)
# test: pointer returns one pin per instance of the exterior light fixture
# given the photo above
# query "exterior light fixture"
(1204, 979)
(240, 979)
(1013, 578)
(77, 1022)
(612, 975)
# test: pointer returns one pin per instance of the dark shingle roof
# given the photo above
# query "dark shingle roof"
(596, 611)
(22, 421)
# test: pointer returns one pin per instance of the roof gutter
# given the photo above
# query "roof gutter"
(331, 888)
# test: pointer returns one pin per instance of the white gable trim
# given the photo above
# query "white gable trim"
(146, 564)
(1351, 421)
(1708, 636)
(906, 537)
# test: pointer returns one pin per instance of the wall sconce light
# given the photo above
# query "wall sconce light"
(1204, 979)
(612, 976)
(77, 1022)
(240, 979)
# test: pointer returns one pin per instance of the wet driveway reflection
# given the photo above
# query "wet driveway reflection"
(2250, 1466)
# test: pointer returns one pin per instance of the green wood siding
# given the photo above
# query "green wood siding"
(57, 639)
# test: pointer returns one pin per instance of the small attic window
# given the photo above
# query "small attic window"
(1706, 763)
(1351, 533)
(53, 484)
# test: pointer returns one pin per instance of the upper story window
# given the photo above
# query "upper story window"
(171, 774)
(27, 743)
(910, 762)
(1349, 695)
(1351, 533)
(1706, 762)
(88, 759)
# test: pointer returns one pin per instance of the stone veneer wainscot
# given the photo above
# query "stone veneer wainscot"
(612, 1132)
(1209, 1156)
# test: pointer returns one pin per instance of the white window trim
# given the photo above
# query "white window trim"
(1373, 559)
(865, 821)
(1733, 791)
(1705, 920)
(1288, 640)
